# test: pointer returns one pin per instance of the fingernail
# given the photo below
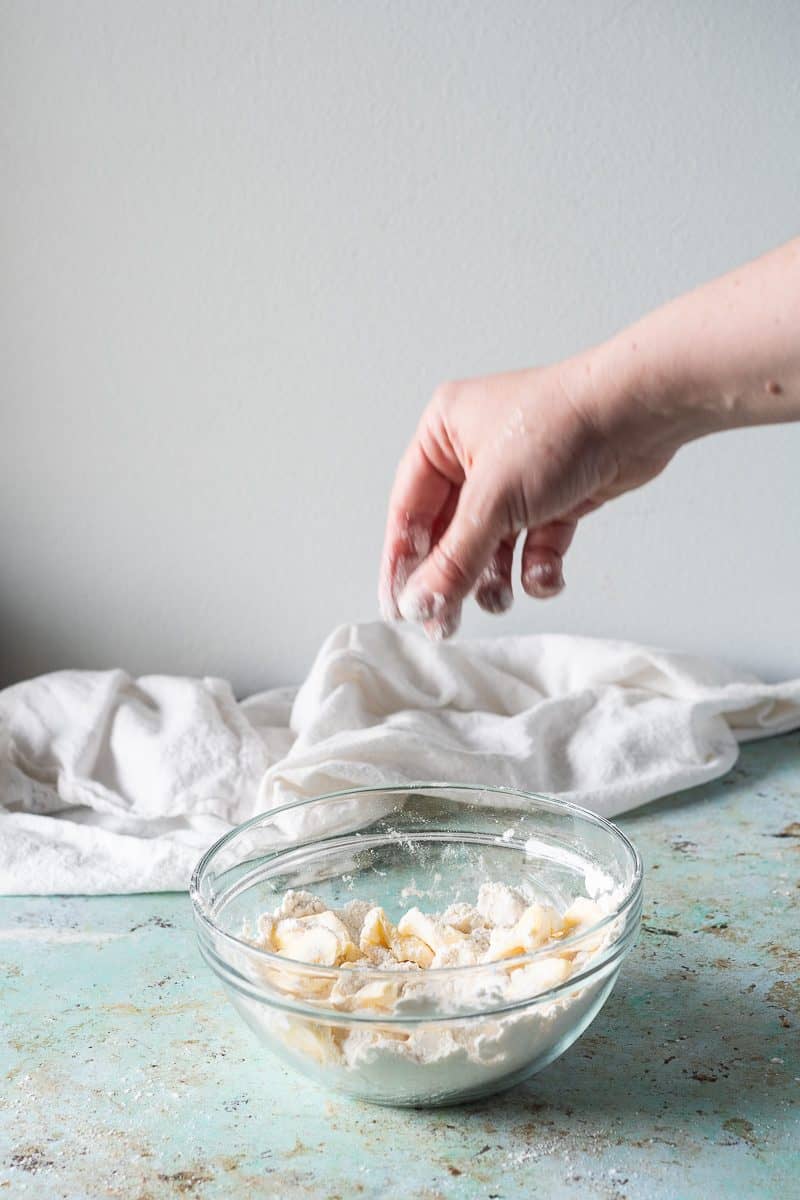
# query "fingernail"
(443, 626)
(391, 586)
(420, 603)
(387, 603)
(544, 578)
(496, 599)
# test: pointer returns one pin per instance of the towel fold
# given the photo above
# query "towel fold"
(115, 784)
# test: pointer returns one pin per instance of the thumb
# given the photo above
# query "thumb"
(434, 593)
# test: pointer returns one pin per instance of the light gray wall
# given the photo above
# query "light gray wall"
(243, 241)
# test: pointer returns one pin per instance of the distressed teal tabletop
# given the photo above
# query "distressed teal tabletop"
(127, 1074)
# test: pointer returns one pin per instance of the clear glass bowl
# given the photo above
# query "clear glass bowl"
(468, 1031)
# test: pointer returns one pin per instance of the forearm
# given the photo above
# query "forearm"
(723, 356)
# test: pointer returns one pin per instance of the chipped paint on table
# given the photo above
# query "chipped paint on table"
(127, 1074)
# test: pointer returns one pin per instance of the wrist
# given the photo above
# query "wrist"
(686, 375)
(625, 389)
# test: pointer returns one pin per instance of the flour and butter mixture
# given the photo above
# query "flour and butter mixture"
(391, 1020)
(503, 923)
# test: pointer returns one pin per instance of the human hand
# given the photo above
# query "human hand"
(536, 450)
(531, 451)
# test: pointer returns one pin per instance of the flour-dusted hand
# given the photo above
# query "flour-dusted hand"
(531, 452)
(492, 458)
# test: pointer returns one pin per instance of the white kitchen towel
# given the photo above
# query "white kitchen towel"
(115, 784)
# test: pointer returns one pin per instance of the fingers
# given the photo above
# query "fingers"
(542, 557)
(422, 498)
(434, 593)
(493, 591)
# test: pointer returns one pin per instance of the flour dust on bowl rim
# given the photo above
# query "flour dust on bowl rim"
(444, 1035)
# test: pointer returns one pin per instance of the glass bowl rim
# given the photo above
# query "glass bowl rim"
(296, 966)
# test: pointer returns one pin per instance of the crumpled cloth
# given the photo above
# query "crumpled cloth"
(115, 784)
